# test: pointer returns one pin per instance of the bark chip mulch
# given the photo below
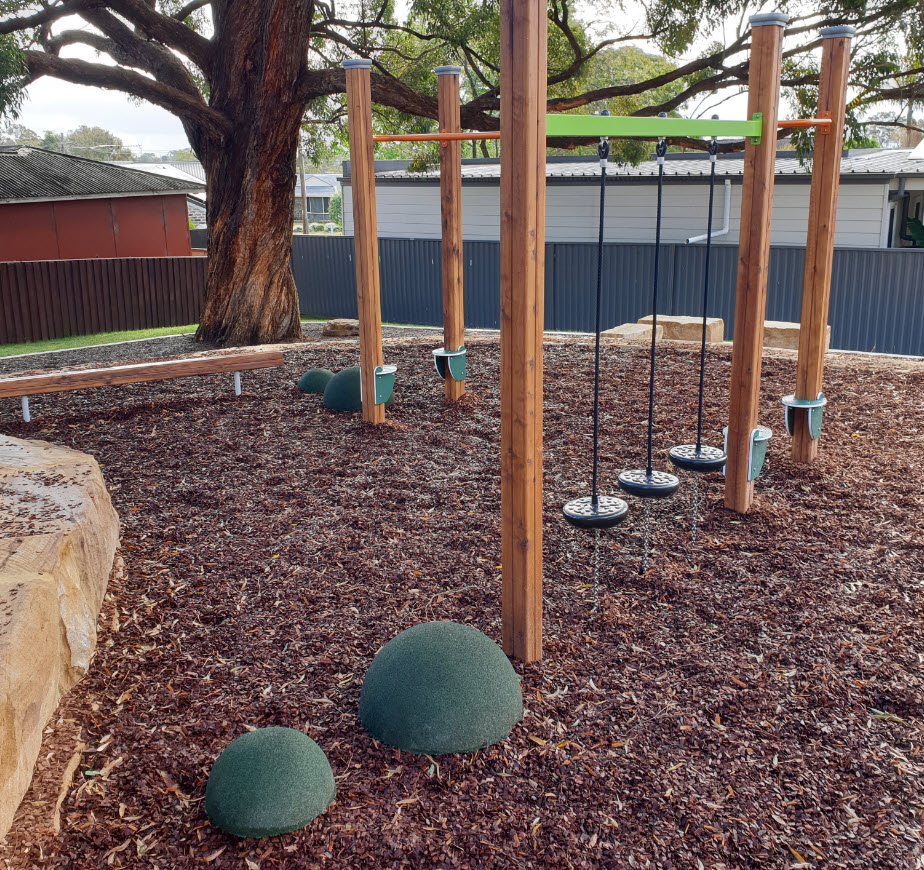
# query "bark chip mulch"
(755, 700)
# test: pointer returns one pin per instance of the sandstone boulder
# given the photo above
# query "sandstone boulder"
(785, 335)
(681, 328)
(58, 539)
(632, 333)
(340, 327)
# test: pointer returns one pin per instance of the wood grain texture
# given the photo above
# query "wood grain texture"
(62, 381)
(819, 248)
(753, 257)
(451, 222)
(523, 105)
(44, 299)
(365, 238)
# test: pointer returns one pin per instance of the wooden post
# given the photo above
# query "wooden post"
(451, 213)
(819, 247)
(753, 256)
(365, 232)
(523, 49)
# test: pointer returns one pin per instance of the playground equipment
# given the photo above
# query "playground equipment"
(524, 127)
(699, 457)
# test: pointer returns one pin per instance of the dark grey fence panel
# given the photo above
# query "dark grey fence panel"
(323, 270)
(628, 271)
(197, 238)
(877, 301)
(688, 274)
(481, 282)
(877, 296)
(784, 284)
(410, 279)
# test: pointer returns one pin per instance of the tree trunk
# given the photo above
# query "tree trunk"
(250, 292)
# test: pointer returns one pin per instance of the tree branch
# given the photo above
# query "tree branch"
(47, 15)
(185, 11)
(169, 31)
(186, 107)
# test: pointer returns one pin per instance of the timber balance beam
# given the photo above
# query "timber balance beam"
(84, 379)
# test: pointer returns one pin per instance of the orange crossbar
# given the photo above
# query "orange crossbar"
(468, 137)
(805, 122)
(437, 137)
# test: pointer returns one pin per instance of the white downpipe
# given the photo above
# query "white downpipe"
(237, 383)
(26, 416)
(726, 210)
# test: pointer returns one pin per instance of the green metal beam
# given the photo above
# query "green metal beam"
(610, 126)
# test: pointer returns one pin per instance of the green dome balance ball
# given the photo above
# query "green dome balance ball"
(440, 687)
(342, 392)
(314, 380)
(267, 782)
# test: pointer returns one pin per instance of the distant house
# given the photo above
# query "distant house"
(58, 207)
(319, 190)
(879, 189)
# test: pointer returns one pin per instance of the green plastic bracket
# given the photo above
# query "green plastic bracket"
(759, 117)
(384, 383)
(619, 126)
(757, 450)
(812, 407)
(451, 360)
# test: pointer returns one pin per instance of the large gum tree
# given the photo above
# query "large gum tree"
(244, 76)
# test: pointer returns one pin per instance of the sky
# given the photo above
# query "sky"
(59, 106)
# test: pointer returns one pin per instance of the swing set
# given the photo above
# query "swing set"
(524, 127)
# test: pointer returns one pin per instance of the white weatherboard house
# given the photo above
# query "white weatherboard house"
(878, 188)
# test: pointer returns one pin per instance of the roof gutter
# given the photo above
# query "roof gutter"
(72, 198)
(726, 210)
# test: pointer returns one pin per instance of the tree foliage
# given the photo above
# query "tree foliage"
(164, 51)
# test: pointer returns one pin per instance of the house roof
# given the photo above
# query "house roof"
(873, 164)
(317, 185)
(28, 173)
(183, 171)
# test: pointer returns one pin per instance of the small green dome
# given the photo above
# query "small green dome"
(440, 687)
(267, 782)
(314, 380)
(343, 393)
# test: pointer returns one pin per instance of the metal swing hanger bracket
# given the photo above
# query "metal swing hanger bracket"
(813, 408)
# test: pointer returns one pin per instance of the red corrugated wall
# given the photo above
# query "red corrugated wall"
(82, 229)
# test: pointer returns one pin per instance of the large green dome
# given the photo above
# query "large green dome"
(440, 687)
(267, 782)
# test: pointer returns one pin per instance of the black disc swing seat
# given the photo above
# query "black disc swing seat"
(646, 482)
(699, 457)
(604, 513)
(597, 511)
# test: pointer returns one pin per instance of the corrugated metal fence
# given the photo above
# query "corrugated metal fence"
(877, 296)
(59, 298)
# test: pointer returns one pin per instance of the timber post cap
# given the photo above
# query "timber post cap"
(357, 63)
(439, 688)
(780, 19)
(838, 30)
(448, 71)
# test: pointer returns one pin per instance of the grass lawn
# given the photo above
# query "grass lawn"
(86, 340)
(99, 338)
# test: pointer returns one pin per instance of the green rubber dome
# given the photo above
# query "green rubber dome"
(314, 380)
(342, 392)
(267, 782)
(440, 687)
